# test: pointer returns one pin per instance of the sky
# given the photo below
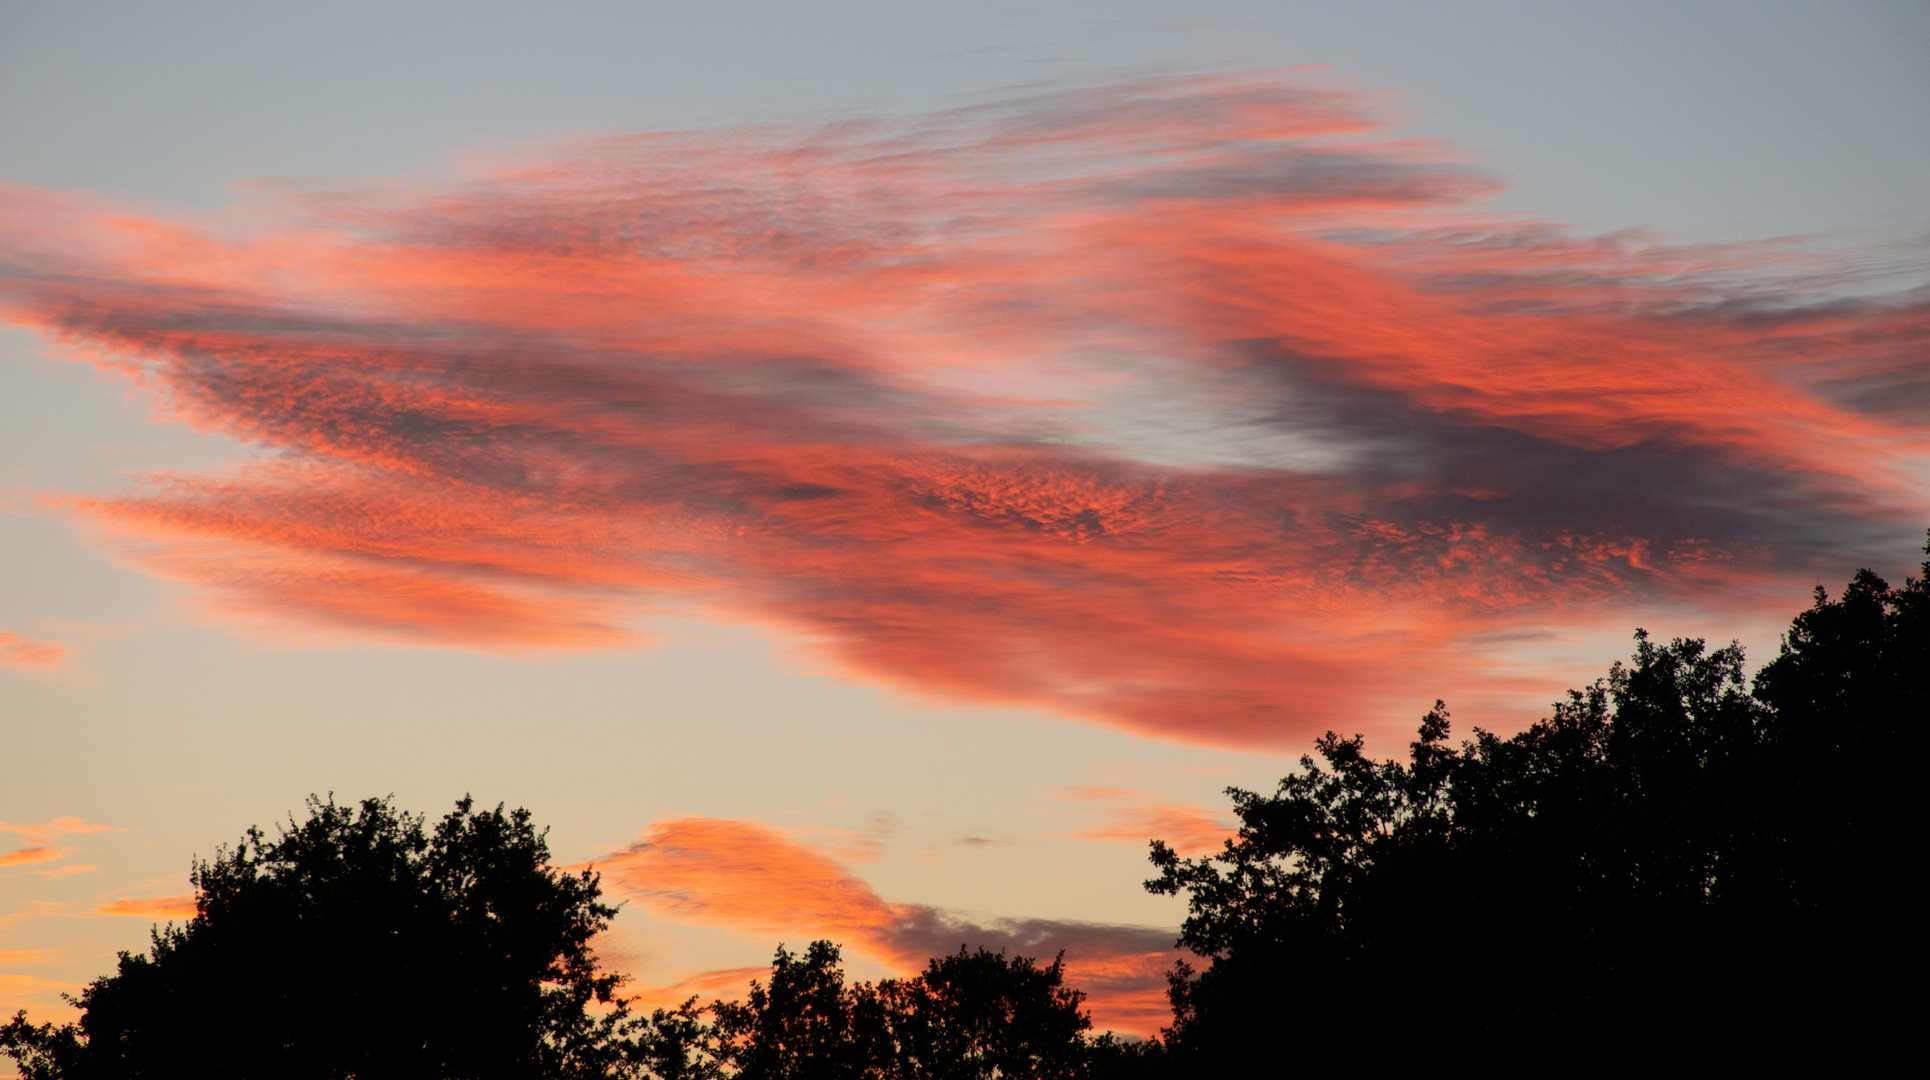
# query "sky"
(862, 470)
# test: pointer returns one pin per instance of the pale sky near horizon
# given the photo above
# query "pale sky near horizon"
(179, 716)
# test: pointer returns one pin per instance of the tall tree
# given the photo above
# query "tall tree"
(358, 943)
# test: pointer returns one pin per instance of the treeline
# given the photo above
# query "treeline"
(1681, 869)
(972, 1014)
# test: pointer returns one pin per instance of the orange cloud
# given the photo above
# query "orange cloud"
(40, 849)
(747, 877)
(151, 907)
(26, 856)
(729, 984)
(744, 876)
(25, 654)
(39, 998)
(1202, 407)
(54, 827)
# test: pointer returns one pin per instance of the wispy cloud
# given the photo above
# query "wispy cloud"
(728, 984)
(27, 654)
(67, 871)
(39, 998)
(1131, 818)
(54, 827)
(753, 879)
(151, 907)
(40, 847)
(1205, 407)
(29, 855)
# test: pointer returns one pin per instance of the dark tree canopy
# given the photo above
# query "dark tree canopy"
(973, 1015)
(1678, 867)
(357, 943)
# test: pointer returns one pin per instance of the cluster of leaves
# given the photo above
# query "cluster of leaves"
(973, 1015)
(1679, 863)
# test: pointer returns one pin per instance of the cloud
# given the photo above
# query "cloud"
(54, 827)
(40, 849)
(26, 654)
(1190, 830)
(1206, 408)
(67, 871)
(27, 856)
(151, 907)
(750, 878)
(39, 998)
(728, 984)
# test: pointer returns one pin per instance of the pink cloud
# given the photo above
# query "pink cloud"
(1188, 829)
(26, 654)
(1207, 408)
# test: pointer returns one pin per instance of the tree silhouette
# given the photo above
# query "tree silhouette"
(977, 1015)
(358, 943)
(806, 1024)
(973, 1015)
(1676, 868)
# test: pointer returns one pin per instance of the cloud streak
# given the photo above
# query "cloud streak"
(151, 907)
(40, 847)
(1129, 819)
(27, 654)
(30, 855)
(750, 878)
(1186, 406)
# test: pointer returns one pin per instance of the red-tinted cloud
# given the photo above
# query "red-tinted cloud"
(26, 654)
(1201, 407)
(750, 878)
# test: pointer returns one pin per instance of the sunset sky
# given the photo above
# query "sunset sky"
(861, 470)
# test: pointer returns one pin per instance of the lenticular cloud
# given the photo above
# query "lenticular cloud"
(1181, 405)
